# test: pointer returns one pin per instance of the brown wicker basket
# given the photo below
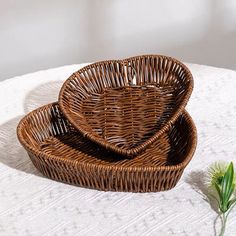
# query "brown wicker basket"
(62, 153)
(125, 105)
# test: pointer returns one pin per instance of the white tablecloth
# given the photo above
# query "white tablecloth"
(33, 205)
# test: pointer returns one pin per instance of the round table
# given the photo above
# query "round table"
(31, 204)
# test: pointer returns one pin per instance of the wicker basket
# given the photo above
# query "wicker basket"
(126, 105)
(62, 153)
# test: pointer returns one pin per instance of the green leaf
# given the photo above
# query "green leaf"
(218, 191)
(230, 172)
(228, 196)
(228, 179)
(227, 187)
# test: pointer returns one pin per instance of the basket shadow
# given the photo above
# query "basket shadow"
(89, 148)
(42, 95)
(13, 154)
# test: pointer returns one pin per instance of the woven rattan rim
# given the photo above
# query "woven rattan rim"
(141, 147)
(47, 156)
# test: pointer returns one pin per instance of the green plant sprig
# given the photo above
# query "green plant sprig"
(222, 183)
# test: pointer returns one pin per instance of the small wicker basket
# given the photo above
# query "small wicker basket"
(61, 153)
(126, 105)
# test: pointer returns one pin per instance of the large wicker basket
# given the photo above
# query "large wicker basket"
(61, 153)
(126, 105)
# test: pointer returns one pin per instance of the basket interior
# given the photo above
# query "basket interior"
(124, 116)
(122, 104)
(47, 131)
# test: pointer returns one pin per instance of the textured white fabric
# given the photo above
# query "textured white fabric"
(33, 205)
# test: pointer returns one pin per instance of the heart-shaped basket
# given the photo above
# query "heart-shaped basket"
(125, 105)
(61, 153)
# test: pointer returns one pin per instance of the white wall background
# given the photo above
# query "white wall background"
(37, 35)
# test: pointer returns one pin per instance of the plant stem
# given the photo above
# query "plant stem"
(224, 219)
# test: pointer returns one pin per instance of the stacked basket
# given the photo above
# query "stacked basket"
(118, 126)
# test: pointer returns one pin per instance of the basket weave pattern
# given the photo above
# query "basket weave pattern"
(63, 154)
(106, 114)
(126, 105)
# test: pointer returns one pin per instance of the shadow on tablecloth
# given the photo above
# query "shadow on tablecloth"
(197, 181)
(12, 153)
(42, 95)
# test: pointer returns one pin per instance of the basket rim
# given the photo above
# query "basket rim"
(101, 141)
(107, 167)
